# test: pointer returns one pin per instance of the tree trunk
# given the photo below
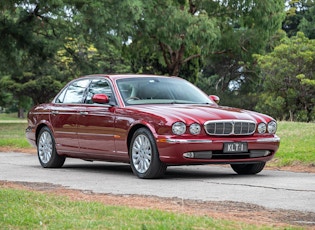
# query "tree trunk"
(291, 115)
(21, 113)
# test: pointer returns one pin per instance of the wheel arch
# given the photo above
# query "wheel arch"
(38, 129)
(144, 157)
(134, 129)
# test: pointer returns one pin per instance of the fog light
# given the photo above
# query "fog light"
(266, 153)
(259, 153)
(189, 155)
(198, 155)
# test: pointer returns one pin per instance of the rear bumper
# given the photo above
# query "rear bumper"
(30, 135)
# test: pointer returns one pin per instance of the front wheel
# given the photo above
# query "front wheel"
(247, 169)
(46, 150)
(144, 156)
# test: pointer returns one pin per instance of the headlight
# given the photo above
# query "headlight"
(262, 128)
(194, 129)
(179, 128)
(272, 127)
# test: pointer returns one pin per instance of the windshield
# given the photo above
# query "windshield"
(160, 90)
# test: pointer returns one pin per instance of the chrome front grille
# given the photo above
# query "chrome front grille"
(230, 127)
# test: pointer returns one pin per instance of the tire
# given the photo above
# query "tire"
(144, 156)
(46, 150)
(247, 169)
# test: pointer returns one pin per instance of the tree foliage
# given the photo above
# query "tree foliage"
(307, 24)
(211, 43)
(176, 31)
(44, 44)
(298, 12)
(246, 27)
(288, 79)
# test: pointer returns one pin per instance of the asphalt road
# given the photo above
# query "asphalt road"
(270, 189)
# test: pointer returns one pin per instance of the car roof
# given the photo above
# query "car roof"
(121, 76)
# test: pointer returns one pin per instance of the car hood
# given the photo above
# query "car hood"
(201, 113)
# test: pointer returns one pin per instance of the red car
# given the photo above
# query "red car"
(150, 122)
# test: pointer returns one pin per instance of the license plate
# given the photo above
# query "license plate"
(235, 147)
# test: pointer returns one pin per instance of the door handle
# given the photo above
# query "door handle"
(83, 113)
(54, 112)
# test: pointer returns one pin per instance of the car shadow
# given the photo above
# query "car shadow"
(191, 172)
(119, 168)
(172, 172)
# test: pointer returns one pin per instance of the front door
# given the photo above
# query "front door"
(96, 130)
(96, 123)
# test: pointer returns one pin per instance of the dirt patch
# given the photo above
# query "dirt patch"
(295, 167)
(18, 150)
(236, 211)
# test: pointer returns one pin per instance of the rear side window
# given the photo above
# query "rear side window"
(74, 93)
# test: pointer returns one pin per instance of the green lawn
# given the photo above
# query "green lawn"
(21, 209)
(13, 135)
(297, 143)
(10, 117)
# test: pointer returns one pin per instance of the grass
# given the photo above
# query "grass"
(13, 135)
(297, 143)
(10, 117)
(33, 210)
(12, 131)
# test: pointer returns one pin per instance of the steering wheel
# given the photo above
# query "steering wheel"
(132, 98)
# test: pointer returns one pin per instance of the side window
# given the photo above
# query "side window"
(98, 86)
(61, 96)
(74, 93)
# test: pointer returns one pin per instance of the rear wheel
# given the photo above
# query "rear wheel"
(144, 156)
(246, 169)
(46, 150)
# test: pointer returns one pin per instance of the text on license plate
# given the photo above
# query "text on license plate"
(235, 147)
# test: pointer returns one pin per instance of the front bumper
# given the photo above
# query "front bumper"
(177, 150)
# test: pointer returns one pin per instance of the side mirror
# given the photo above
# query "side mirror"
(215, 98)
(100, 99)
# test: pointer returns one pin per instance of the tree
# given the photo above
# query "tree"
(246, 28)
(307, 24)
(30, 41)
(288, 79)
(44, 44)
(297, 12)
(57, 40)
(176, 29)
(215, 37)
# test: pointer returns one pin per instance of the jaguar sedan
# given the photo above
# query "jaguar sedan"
(150, 122)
